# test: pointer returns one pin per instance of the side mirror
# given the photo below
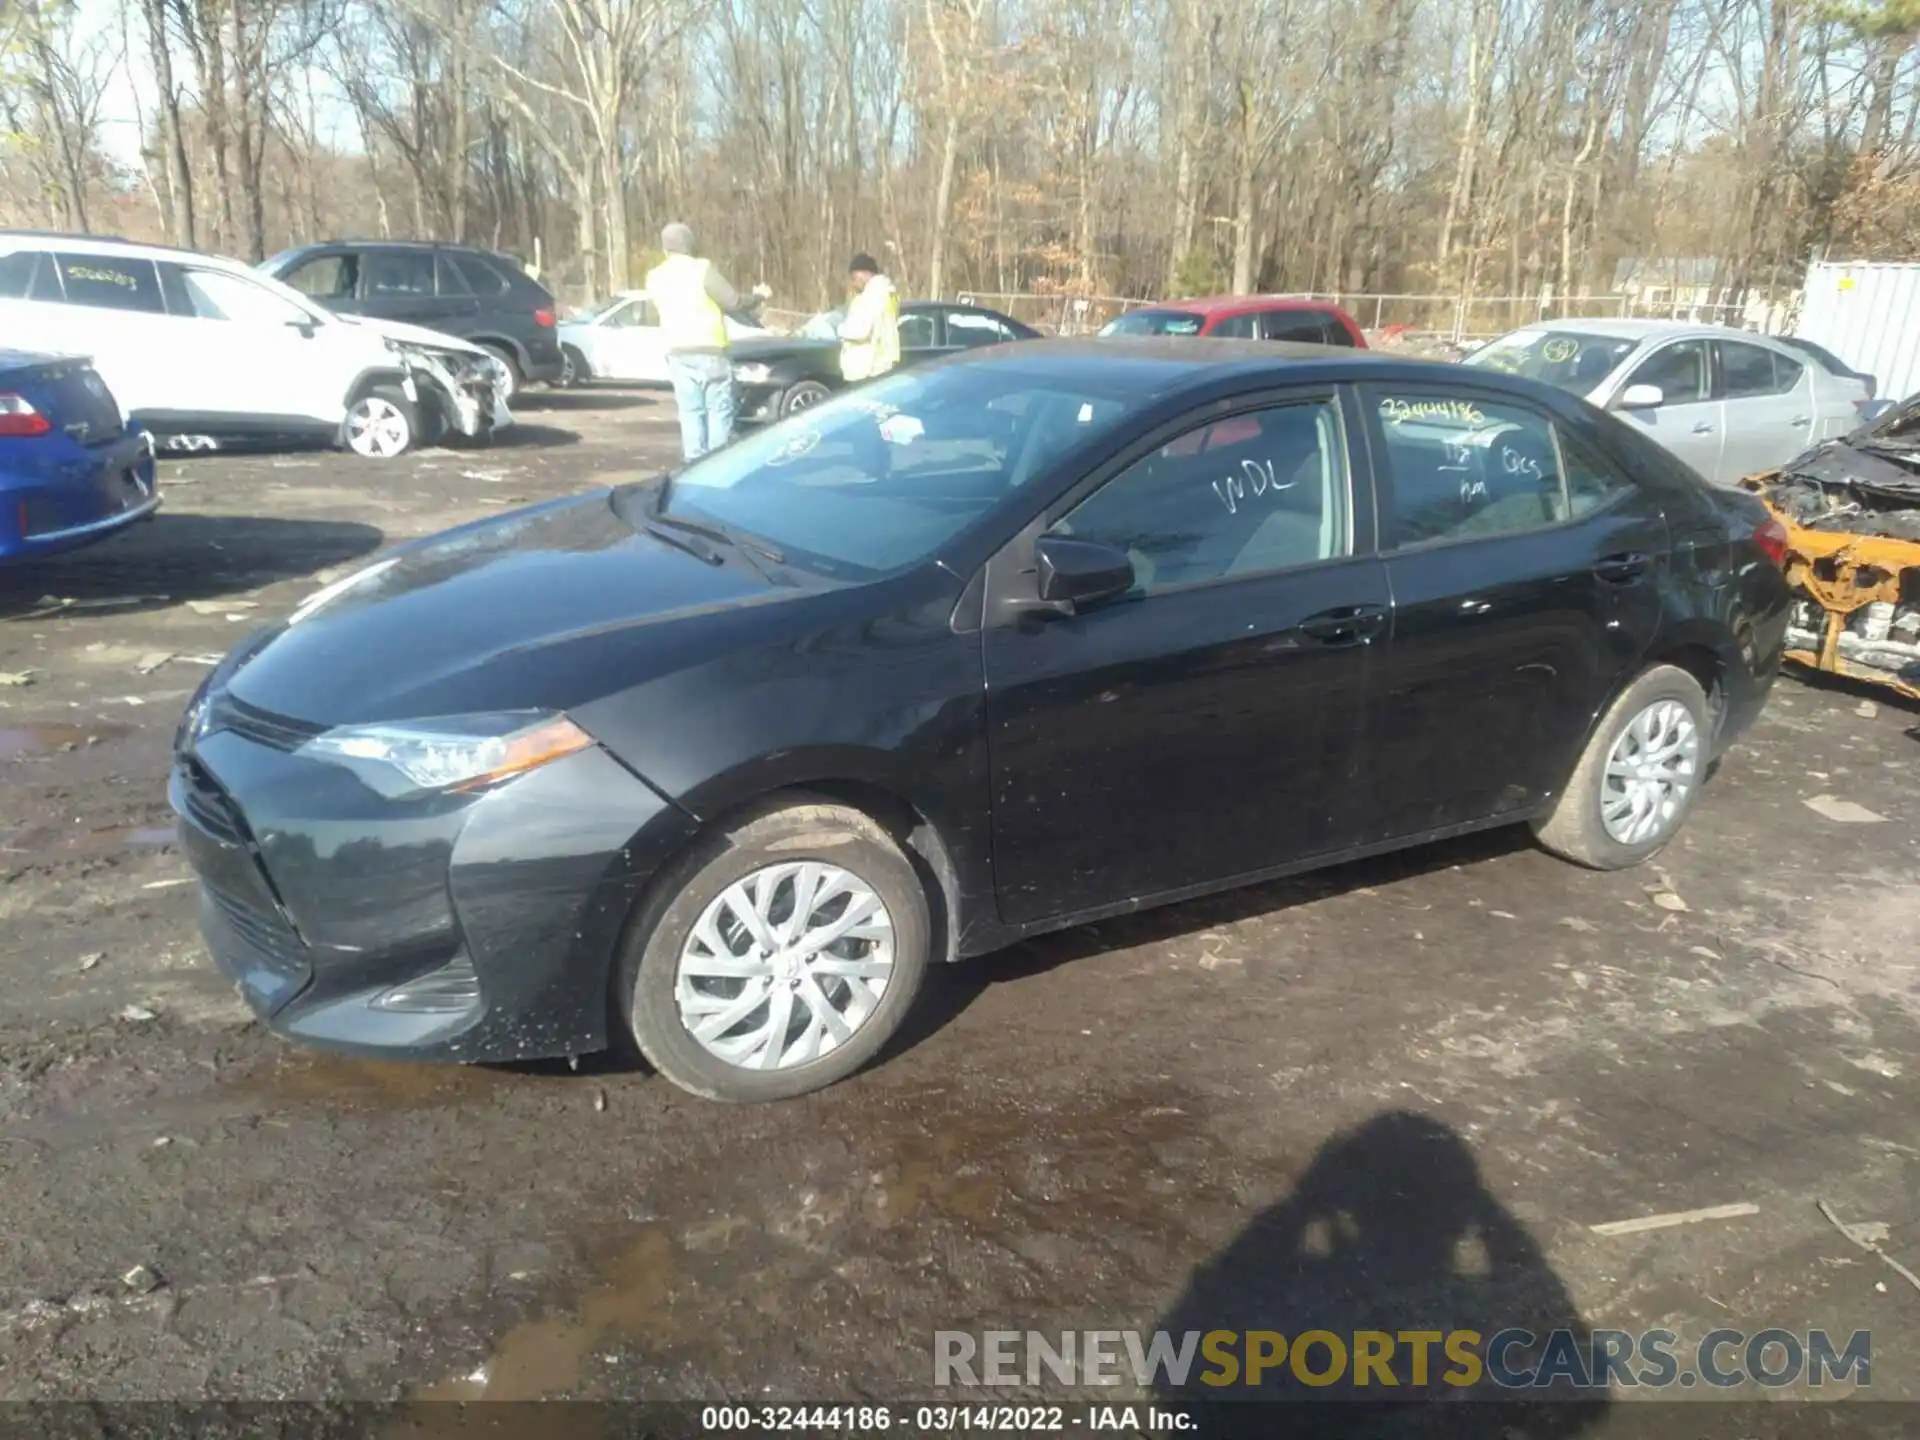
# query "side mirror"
(1077, 573)
(1641, 397)
(305, 327)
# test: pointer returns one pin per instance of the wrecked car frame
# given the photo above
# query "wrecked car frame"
(1851, 508)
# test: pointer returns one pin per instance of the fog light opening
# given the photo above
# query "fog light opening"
(451, 989)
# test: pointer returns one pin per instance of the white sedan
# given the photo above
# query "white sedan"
(1727, 402)
(620, 339)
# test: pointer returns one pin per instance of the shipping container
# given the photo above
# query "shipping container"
(1868, 314)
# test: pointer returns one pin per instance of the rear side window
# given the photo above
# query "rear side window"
(16, 274)
(968, 328)
(1748, 371)
(450, 280)
(327, 277)
(916, 330)
(111, 282)
(1237, 327)
(1299, 327)
(399, 274)
(1461, 467)
(1337, 331)
(480, 277)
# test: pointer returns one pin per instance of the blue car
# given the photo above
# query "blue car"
(71, 471)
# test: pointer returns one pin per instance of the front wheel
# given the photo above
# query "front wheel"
(803, 396)
(1639, 776)
(382, 424)
(778, 956)
(573, 368)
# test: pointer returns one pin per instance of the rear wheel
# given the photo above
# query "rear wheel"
(1638, 777)
(778, 957)
(802, 396)
(382, 424)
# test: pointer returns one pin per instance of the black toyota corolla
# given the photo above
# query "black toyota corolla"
(725, 759)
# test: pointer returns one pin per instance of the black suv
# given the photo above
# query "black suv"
(480, 295)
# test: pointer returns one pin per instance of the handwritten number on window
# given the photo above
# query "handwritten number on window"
(1255, 477)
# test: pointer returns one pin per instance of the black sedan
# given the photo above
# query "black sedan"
(724, 760)
(776, 377)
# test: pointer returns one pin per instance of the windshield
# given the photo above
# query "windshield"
(824, 326)
(1155, 322)
(593, 312)
(878, 479)
(1570, 359)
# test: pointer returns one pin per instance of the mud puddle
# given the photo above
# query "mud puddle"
(316, 1077)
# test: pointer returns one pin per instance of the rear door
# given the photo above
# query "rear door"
(1525, 570)
(459, 307)
(1690, 421)
(922, 336)
(1208, 724)
(1298, 327)
(1770, 409)
(400, 284)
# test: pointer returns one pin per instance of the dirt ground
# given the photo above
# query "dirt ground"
(1454, 1061)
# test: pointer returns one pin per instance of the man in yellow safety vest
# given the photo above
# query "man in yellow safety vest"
(692, 299)
(870, 335)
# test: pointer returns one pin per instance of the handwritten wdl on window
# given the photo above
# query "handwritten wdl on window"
(1255, 477)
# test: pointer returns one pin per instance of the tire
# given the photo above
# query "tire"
(383, 424)
(1660, 702)
(516, 382)
(803, 395)
(574, 371)
(772, 844)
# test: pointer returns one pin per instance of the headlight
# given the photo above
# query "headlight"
(456, 752)
(753, 374)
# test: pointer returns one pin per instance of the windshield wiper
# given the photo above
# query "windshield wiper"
(691, 542)
(724, 534)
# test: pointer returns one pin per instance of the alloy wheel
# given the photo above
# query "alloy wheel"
(1651, 770)
(785, 965)
(377, 428)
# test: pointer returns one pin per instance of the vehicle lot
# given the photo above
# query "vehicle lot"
(1129, 1125)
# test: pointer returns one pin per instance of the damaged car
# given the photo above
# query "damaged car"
(206, 352)
(1852, 511)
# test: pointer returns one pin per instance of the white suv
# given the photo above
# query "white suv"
(204, 351)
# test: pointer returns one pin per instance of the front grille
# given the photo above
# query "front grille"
(267, 937)
(208, 807)
(277, 732)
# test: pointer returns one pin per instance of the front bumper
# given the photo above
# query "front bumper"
(458, 927)
(74, 501)
(467, 388)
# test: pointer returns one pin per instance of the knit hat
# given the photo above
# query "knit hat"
(863, 262)
(677, 239)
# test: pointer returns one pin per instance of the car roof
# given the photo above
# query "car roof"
(102, 245)
(1162, 365)
(1646, 329)
(1219, 305)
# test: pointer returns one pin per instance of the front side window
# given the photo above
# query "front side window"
(877, 479)
(1750, 371)
(969, 329)
(1244, 495)
(626, 314)
(1680, 370)
(327, 277)
(916, 331)
(400, 274)
(1463, 467)
(111, 282)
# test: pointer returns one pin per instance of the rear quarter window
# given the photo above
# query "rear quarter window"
(481, 277)
(16, 274)
(111, 282)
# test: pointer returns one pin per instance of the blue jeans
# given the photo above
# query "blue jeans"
(703, 394)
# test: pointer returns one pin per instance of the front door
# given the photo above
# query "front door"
(1770, 409)
(1689, 421)
(254, 353)
(1206, 725)
(629, 344)
(1525, 569)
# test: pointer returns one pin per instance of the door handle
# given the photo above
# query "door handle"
(1345, 624)
(1800, 420)
(1701, 427)
(1618, 569)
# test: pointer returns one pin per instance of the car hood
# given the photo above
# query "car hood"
(778, 347)
(546, 608)
(411, 334)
